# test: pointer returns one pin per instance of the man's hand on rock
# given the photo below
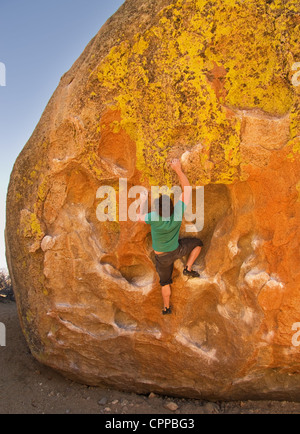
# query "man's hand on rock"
(176, 165)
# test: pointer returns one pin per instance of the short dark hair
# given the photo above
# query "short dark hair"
(164, 206)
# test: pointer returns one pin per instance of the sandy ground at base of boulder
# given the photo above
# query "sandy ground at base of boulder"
(27, 387)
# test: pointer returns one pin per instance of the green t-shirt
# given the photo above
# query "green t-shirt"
(165, 230)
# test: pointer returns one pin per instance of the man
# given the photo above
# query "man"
(165, 229)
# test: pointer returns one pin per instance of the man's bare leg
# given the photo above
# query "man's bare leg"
(192, 258)
(166, 293)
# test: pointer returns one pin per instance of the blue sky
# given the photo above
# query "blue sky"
(39, 41)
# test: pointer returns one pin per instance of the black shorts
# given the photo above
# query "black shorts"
(165, 262)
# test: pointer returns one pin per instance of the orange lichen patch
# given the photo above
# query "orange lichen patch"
(276, 217)
(116, 147)
(216, 78)
(79, 189)
(271, 296)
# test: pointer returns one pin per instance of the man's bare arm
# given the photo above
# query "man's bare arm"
(184, 182)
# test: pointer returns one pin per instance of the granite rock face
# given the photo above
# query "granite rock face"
(214, 83)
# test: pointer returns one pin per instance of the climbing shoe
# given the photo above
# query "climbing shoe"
(167, 311)
(191, 273)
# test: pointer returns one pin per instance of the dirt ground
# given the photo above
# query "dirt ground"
(26, 387)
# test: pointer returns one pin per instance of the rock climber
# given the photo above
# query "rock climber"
(165, 229)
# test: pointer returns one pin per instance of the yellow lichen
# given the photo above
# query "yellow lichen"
(295, 149)
(91, 159)
(30, 225)
(33, 174)
(29, 316)
(162, 80)
(18, 197)
(43, 190)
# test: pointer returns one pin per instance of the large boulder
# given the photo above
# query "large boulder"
(212, 82)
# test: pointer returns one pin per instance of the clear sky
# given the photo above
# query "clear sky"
(39, 41)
